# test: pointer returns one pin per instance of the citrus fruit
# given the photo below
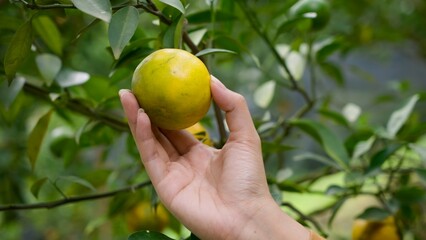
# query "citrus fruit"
(375, 230)
(144, 216)
(200, 133)
(173, 87)
(317, 11)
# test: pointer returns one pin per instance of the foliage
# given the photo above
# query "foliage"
(327, 137)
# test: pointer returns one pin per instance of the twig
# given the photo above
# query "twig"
(78, 107)
(255, 24)
(305, 218)
(70, 200)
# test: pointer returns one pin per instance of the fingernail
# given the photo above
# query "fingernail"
(141, 110)
(122, 91)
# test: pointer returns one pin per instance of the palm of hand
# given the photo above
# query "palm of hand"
(204, 179)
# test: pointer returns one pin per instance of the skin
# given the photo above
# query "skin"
(215, 193)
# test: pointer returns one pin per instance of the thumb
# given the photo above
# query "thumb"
(235, 107)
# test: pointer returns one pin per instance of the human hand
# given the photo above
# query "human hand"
(216, 193)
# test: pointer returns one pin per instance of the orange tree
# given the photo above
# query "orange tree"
(335, 90)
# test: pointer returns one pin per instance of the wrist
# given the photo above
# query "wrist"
(270, 222)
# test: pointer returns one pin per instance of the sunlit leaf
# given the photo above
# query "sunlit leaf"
(18, 50)
(351, 112)
(77, 180)
(8, 92)
(121, 28)
(49, 66)
(264, 93)
(294, 60)
(374, 214)
(176, 4)
(49, 33)
(35, 188)
(68, 77)
(35, 139)
(212, 51)
(148, 235)
(197, 36)
(400, 116)
(331, 144)
(420, 150)
(363, 147)
(97, 8)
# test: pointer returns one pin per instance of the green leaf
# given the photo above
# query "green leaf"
(35, 188)
(327, 48)
(77, 180)
(205, 16)
(272, 147)
(422, 174)
(374, 214)
(68, 77)
(362, 147)
(97, 8)
(400, 116)
(335, 116)
(331, 144)
(49, 66)
(122, 28)
(49, 33)
(333, 71)
(335, 190)
(18, 50)
(35, 139)
(173, 35)
(264, 93)
(197, 36)
(148, 235)
(315, 157)
(212, 51)
(8, 92)
(175, 4)
(410, 194)
(380, 157)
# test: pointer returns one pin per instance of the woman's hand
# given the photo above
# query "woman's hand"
(216, 193)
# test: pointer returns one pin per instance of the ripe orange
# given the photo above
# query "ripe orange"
(200, 133)
(375, 230)
(173, 87)
(143, 216)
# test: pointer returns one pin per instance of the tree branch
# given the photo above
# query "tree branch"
(70, 200)
(77, 106)
(305, 218)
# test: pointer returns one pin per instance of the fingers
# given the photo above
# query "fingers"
(130, 106)
(182, 140)
(238, 115)
(154, 156)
